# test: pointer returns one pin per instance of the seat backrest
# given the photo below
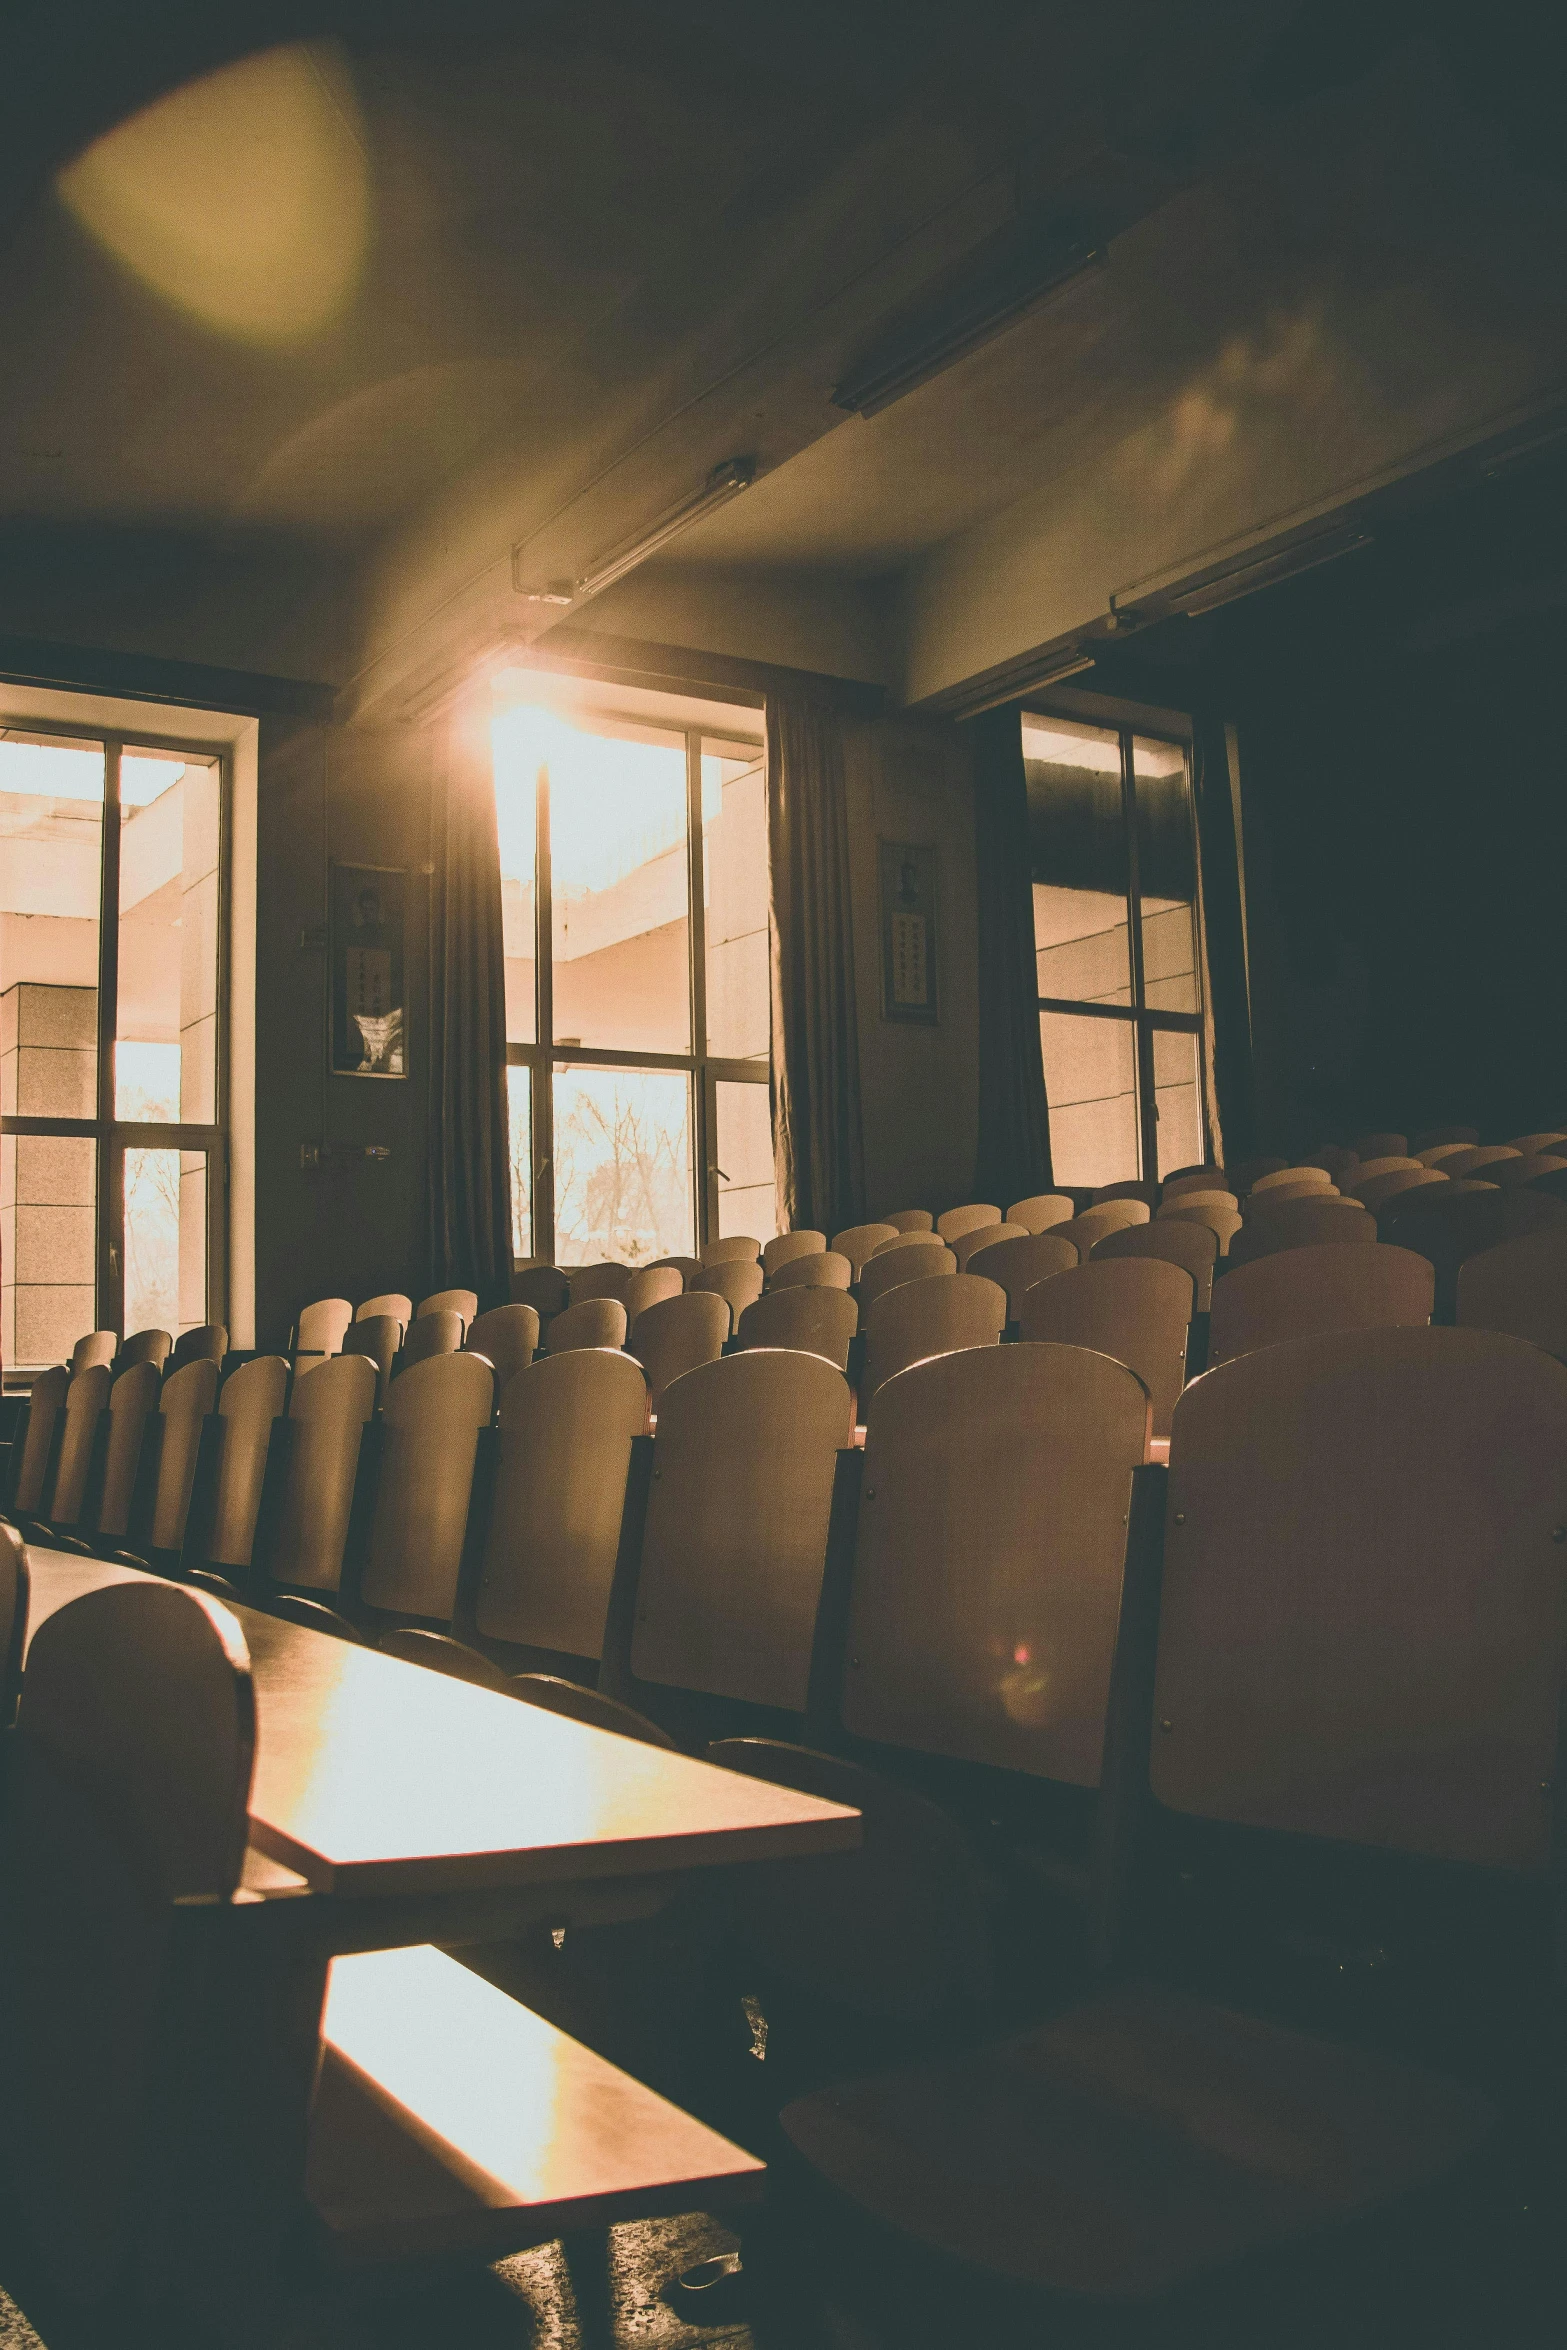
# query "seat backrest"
(910, 1260)
(1221, 1221)
(390, 1305)
(737, 1280)
(929, 1317)
(1132, 1187)
(827, 1269)
(208, 1344)
(449, 1301)
(1506, 1173)
(1437, 1154)
(86, 1400)
(507, 1337)
(145, 1346)
(1302, 1223)
(969, 1245)
(860, 1241)
(252, 1398)
(1042, 1211)
(597, 1321)
(909, 1220)
(790, 1245)
(563, 1450)
(1298, 1292)
(431, 1426)
(1390, 1163)
(379, 1338)
(736, 1536)
(1530, 1145)
(957, 1221)
(1175, 1240)
(134, 1749)
(1308, 1178)
(13, 1617)
(1479, 1158)
(1380, 1146)
(437, 1333)
(99, 1346)
(187, 1396)
(1448, 1226)
(321, 1327)
(133, 1399)
(648, 1286)
(805, 1317)
(544, 1287)
(1134, 1309)
(675, 1336)
(1111, 1215)
(1260, 1202)
(591, 1281)
(438, 1652)
(1519, 1286)
(1362, 1635)
(45, 1407)
(1372, 1190)
(329, 1408)
(1179, 1201)
(1021, 1259)
(736, 1249)
(989, 1557)
(1457, 1136)
(1342, 1164)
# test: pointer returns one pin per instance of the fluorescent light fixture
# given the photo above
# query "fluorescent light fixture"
(1267, 571)
(1046, 263)
(723, 483)
(1015, 678)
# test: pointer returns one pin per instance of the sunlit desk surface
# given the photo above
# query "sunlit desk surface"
(375, 1777)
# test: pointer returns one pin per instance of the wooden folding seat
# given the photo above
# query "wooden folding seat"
(86, 1402)
(790, 1245)
(1506, 1173)
(1529, 1145)
(805, 1317)
(133, 1404)
(1389, 1164)
(686, 1267)
(1042, 1211)
(563, 1454)
(390, 1305)
(931, 1317)
(13, 1620)
(971, 1244)
(1278, 1178)
(544, 1287)
(1209, 1197)
(957, 1221)
(321, 1327)
(592, 1281)
(1223, 1222)
(144, 1346)
(99, 1346)
(1519, 1286)
(251, 1401)
(437, 1333)
(378, 1337)
(438, 1652)
(1018, 1262)
(1458, 1137)
(560, 1696)
(430, 1436)
(736, 1249)
(1137, 1310)
(596, 1321)
(912, 1260)
(1381, 1146)
(734, 1546)
(1449, 1226)
(675, 1336)
(1373, 1191)
(1239, 1179)
(1437, 1154)
(1111, 1215)
(209, 1343)
(1296, 1186)
(1480, 1159)
(827, 1269)
(648, 1286)
(861, 1241)
(1301, 1223)
(328, 1412)
(737, 1280)
(1300, 1292)
(1134, 1188)
(909, 1220)
(1176, 1240)
(1343, 1165)
(508, 1339)
(449, 1301)
(185, 1401)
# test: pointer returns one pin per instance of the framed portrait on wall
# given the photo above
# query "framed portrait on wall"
(908, 933)
(367, 932)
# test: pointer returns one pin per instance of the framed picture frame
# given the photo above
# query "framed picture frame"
(367, 960)
(908, 877)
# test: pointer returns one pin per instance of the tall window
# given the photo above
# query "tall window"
(1114, 858)
(111, 1076)
(634, 885)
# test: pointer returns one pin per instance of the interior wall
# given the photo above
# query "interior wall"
(836, 626)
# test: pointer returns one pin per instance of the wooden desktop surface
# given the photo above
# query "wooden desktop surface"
(376, 1777)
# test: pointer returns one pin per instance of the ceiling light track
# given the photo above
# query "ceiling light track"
(726, 481)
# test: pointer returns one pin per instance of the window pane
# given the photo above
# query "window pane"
(153, 1217)
(166, 1043)
(1166, 876)
(517, 754)
(1091, 1085)
(48, 1210)
(1177, 1076)
(519, 1096)
(734, 877)
(747, 1198)
(1077, 838)
(623, 1188)
(51, 847)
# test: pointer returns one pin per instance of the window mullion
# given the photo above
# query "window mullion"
(1147, 1108)
(111, 1187)
(544, 1026)
(703, 1140)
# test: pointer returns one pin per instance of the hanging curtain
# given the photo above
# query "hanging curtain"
(469, 1172)
(1014, 1118)
(1226, 995)
(817, 1135)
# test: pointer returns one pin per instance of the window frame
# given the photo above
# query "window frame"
(706, 1071)
(110, 1135)
(1145, 1023)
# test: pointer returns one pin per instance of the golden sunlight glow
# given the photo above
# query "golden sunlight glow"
(243, 199)
(617, 796)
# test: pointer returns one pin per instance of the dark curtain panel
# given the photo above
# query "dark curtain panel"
(817, 1132)
(1230, 1043)
(1014, 1119)
(469, 1187)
